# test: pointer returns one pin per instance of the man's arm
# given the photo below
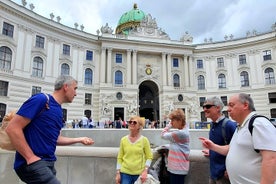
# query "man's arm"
(15, 132)
(63, 141)
(223, 150)
(268, 169)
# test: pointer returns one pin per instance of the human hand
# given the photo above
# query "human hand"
(33, 159)
(144, 176)
(87, 141)
(205, 152)
(206, 142)
(118, 178)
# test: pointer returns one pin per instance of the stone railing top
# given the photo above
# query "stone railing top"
(90, 151)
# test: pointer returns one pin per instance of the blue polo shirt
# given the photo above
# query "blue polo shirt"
(43, 130)
(217, 161)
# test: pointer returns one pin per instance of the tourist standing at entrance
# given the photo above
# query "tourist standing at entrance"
(179, 149)
(135, 156)
(85, 121)
(251, 158)
(35, 131)
(221, 132)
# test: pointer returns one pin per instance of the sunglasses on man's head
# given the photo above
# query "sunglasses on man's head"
(132, 122)
(207, 106)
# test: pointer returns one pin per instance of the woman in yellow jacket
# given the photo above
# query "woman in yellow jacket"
(135, 155)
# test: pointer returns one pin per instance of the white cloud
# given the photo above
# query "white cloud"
(201, 18)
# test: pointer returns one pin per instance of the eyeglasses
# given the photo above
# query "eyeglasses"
(132, 122)
(208, 106)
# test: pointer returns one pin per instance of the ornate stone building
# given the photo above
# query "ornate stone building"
(136, 69)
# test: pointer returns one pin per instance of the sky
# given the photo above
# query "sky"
(200, 18)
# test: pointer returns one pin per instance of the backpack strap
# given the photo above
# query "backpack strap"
(224, 122)
(47, 102)
(250, 125)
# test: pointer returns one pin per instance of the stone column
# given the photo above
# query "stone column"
(128, 72)
(191, 71)
(164, 69)
(134, 67)
(109, 65)
(186, 72)
(103, 65)
(169, 69)
(96, 71)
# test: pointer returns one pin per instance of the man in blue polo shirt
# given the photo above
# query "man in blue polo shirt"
(35, 131)
(221, 132)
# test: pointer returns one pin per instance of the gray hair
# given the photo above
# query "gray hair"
(216, 101)
(64, 79)
(245, 98)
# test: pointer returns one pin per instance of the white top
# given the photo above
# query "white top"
(84, 120)
(243, 163)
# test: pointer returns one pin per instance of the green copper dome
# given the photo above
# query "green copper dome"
(129, 20)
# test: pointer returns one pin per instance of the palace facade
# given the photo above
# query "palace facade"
(133, 70)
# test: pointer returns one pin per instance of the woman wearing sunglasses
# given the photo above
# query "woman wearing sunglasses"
(135, 156)
(179, 150)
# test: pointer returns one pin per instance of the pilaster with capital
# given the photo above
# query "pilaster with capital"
(191, 70)
(134, 66)
(102, 65)
(164, 69)
(169, 66)
(128, 67)
(109, 65)
(186, 71)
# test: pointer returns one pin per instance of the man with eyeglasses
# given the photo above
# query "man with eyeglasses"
(221, 132)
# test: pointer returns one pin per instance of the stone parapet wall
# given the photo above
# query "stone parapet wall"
(95, 165)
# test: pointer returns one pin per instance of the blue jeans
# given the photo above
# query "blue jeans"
(177, 178)
(128, 179)
(39, 172)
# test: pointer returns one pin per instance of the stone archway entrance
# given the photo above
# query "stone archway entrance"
(149, 100)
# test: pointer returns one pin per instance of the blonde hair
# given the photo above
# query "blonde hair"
(140, 120)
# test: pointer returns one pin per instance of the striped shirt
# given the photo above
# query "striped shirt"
(179, 149)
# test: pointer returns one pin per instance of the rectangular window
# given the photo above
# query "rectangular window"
(88, 99)
(224, 99)
(272, 97)
(119, 58)
(199, 63)
(66, 49)
(3, 88)
(175, 62)
(8, 29)
(220, 62)
(36, 89)
(89, 55)
(242, 59)
(267, 55)
(39, 41)
(201, 101)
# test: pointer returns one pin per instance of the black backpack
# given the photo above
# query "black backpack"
(250, 125)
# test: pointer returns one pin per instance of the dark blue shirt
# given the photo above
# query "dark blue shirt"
(43, 130)
(217, 161)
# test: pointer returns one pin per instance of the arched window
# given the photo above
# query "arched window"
(221, 81)
(269, 76)
(176, 80)
(37, 67)
(65, 69)
(200, 82)
(5, 58)
(88, 76)
(118, 77)
(244, 79)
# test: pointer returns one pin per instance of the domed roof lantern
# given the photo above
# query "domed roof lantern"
(130, 20)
